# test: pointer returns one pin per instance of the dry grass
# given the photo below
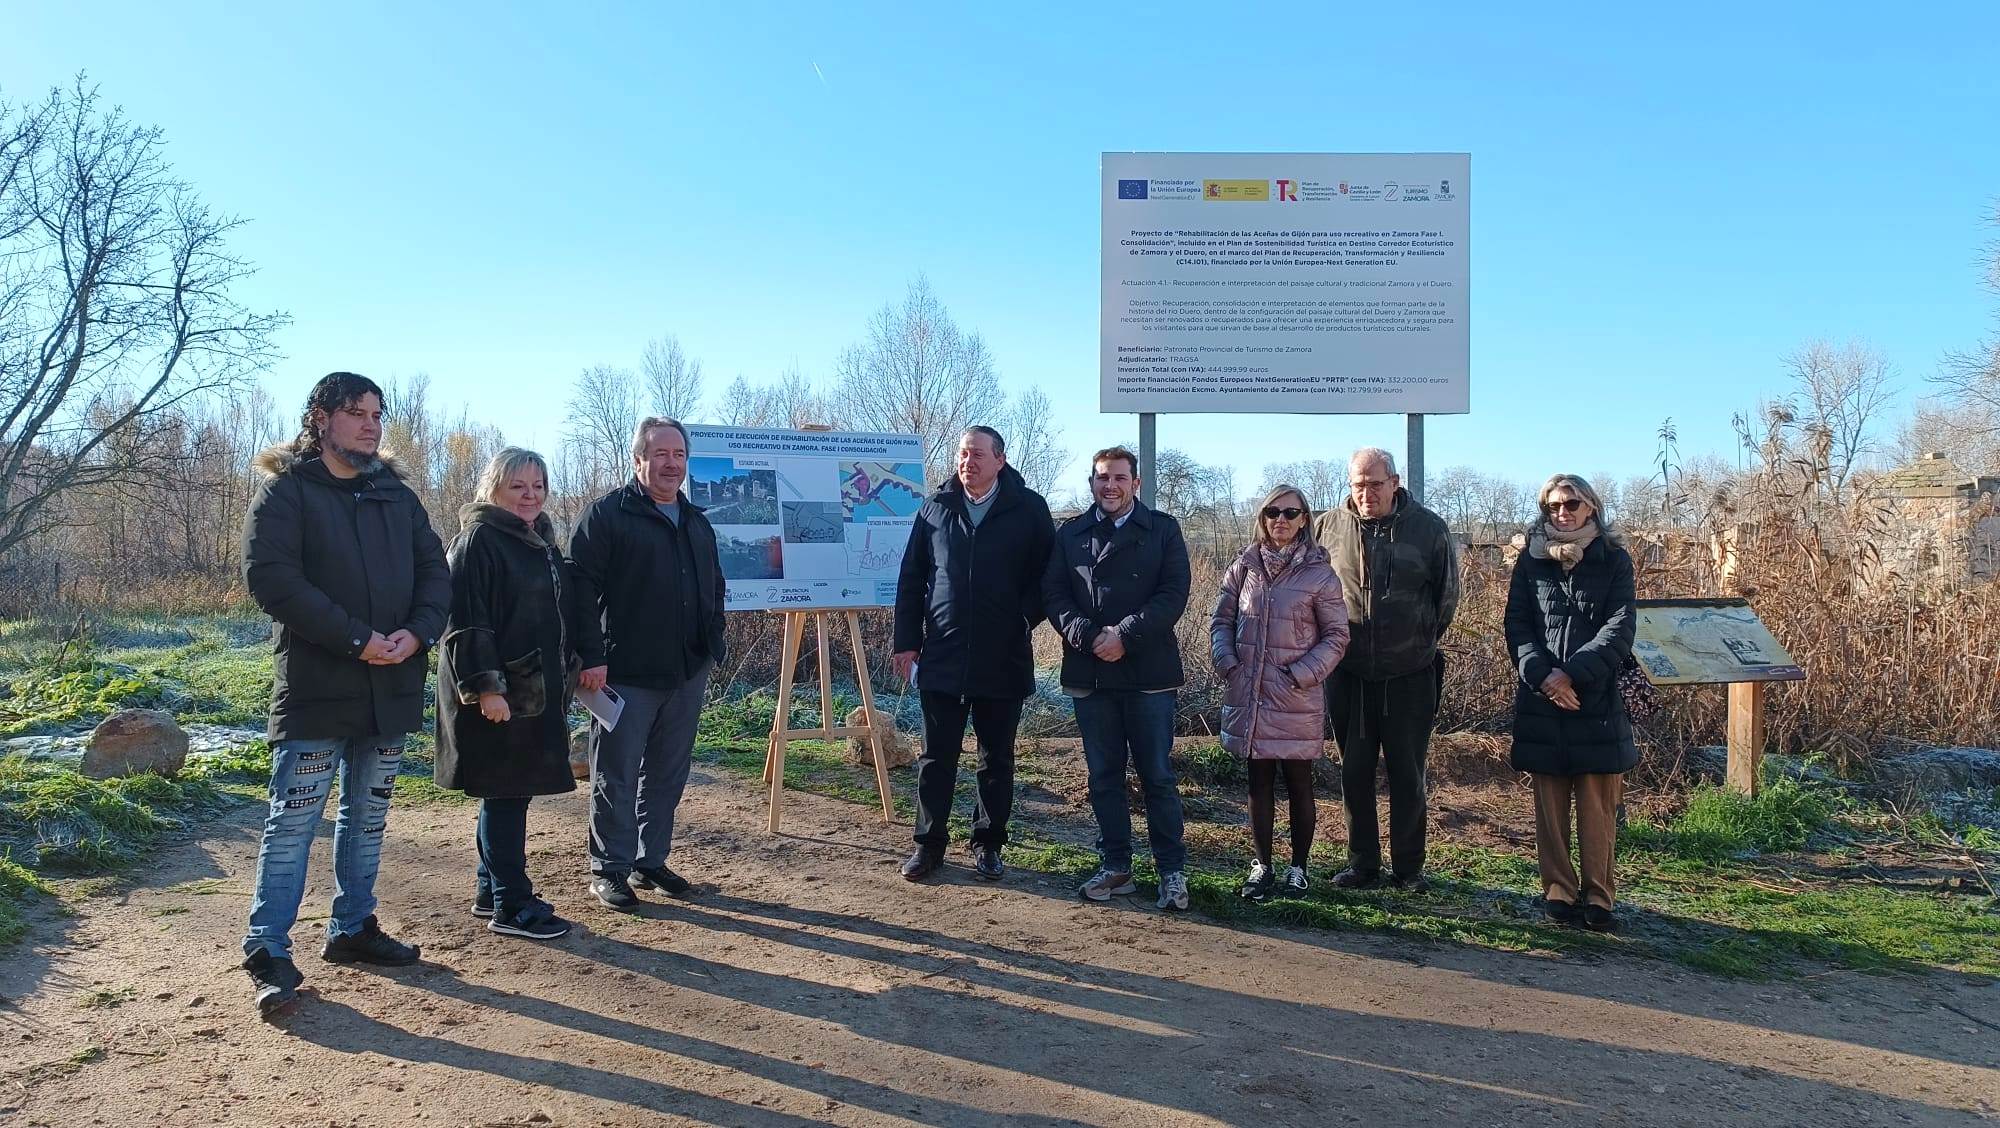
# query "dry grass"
(1891, 660)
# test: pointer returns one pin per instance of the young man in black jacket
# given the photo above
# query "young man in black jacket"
(339, 552)
(1117, 582)
(968, 595)
(646, 561)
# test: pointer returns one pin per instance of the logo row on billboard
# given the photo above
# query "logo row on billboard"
(743, 594)
(1284, 191)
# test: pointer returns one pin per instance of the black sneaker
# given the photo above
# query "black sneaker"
(922, 862)
(986, 863)
(276, 980)
(370, 945)
(537, 920)
(482, 902)
(1351, 878)
(1558, 910)
(662, 879)
(614, 891)
(1258, 886)
(1597, 918)
(1414, 883)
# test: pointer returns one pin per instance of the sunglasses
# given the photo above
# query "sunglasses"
(1272, 513)
(1567, 505)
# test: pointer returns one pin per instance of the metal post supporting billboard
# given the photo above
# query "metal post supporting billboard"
(1148, 448)
(1413, 457)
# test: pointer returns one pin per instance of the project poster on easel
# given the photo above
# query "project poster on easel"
(806, 520)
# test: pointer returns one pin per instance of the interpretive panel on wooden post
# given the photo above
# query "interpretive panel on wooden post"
(1717, 642)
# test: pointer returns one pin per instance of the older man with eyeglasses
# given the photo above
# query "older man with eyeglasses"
(1399, 572)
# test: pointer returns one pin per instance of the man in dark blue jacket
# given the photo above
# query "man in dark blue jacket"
(968, 595)
(1116, 583)
(646, 561)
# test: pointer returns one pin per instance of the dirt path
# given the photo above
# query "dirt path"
(816, 987)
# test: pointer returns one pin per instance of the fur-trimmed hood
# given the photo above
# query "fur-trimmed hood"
(281, 459)
(542, 534)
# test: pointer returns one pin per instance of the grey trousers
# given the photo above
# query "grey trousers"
(637, 773)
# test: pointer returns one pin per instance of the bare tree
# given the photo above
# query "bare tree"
(917, 373)
(1973, 376)
(1034, 440)
(746, 405)
(1453, 494)
(597, 439)
(673, 379)
(114, 303)
(794, 401)
(1967, 432)
(1842, 393)
(1323, 480)
(1964, 419)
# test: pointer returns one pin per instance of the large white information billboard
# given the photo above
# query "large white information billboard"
(1285, 282)
(807, 519)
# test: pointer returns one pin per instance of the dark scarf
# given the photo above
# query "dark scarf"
(1277, 560)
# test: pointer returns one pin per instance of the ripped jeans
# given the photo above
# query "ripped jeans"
(302, 773)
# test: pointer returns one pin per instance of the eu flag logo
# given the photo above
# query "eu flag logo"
(1131, 189)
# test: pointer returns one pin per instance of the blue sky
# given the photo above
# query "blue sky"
(1664, 202)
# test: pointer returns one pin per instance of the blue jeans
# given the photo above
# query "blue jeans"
(302, 773)
(503, 853)
(1119, 725)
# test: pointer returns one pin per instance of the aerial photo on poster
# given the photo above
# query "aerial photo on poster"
(807, 518)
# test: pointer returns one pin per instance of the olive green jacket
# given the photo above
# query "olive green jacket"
(1400, 577)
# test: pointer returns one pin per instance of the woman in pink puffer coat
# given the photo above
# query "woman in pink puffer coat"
(1278, 630)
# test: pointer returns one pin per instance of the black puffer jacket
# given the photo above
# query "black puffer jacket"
(967, 598)
(517, 624)
(331, 560)
(627, 564)
(1135, 580)
(1582, 622)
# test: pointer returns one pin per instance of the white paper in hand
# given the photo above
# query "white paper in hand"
(604, 704)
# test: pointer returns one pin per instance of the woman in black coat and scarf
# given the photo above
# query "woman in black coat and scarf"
(1570, 622)
(504, 680)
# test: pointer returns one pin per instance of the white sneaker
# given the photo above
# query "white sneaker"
(1295, 879)
(1107, 883)
(1174, 891)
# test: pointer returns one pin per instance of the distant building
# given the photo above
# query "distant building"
(1946, 529)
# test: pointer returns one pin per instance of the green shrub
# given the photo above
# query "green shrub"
(1719, 823)
(250, 762)
(18, 885)
(738, 718)
(49, 700)
(1212, 764)
(76, 824)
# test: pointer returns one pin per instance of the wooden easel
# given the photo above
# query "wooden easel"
(781, 735)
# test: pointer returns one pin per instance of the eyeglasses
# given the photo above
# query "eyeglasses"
(1566, 505)
(1368, 484)
(1289, 513)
